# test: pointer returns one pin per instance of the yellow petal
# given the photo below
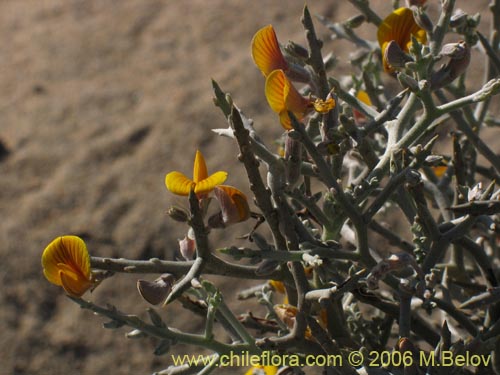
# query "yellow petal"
(324, 106)
(178, 183)
(363, 96)
(200, 167)
(208, 184)
(285, 120)
(274, 90)
(277, 286)
(74, 287)
(266, 51)
(69, 255)
(282, 96)
(295, 102)
(399, 26)
(440, 170)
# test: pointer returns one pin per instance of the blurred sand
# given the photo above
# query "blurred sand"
(98, 101)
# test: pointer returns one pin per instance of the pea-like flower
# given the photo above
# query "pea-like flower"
(66, 262)
(266, 52)
(282, 97)
(233, 207)
(201, 183)
(399, 26)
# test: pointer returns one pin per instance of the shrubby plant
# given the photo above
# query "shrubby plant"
(357, 161)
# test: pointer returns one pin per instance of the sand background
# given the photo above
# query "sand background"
(99, 99)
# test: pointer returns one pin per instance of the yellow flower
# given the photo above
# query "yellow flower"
(262, 370)
(66, 262)
(266, 51)
(282, 97)
(399, 26)
(202, 183)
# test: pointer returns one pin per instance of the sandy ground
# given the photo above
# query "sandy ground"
(98, 101)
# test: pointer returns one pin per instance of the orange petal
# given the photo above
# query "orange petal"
(178, 183)
(399, 26)
(74, 287)
(234, 204)
(363, 96)
(324, 106)
(295, 102)
(209, 183)
(278, 286)
(282, 96)
(266, 51)
(274, 90)
(200, 167)
(68, 255)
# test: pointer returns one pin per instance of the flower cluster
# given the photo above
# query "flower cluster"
(360, 157)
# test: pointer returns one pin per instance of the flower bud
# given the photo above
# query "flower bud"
(178, 214)
(458, 19)
(407, 82)
(297, 50)
(187, 247)
(459, 59)
(156, 292)
(422, 19)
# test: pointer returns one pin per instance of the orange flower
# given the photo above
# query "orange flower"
(266, 51)
(66, 262)
(282, 97)
(233, 204)
(399, 26)
(202, 183)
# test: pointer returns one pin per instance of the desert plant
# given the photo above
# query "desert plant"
(356, 158)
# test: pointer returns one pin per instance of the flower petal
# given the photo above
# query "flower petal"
(74, 287)
(295, 102)
(208, 184)
(66, 262)
(233, 203)
(282, 96)
(324, 106)
(199, 168)
(399, 26)
(274, 90)
(178, 183)
(266, 51)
